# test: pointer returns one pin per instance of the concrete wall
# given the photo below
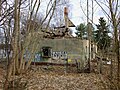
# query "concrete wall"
(75, 48)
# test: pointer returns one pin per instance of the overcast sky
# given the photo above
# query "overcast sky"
(77, 15)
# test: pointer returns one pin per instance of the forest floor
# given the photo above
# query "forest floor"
(55, 78)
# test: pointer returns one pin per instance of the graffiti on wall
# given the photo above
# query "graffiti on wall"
(59, 55)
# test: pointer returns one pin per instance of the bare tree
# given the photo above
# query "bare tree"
(113, 7)
(27, 41)
(58, 17)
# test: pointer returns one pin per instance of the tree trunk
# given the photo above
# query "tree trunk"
(13, 65)
(0, 7)
(115, 27)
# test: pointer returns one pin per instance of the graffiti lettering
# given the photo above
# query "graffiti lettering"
(59, 55)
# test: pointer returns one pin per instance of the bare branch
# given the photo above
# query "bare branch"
(103, 9)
